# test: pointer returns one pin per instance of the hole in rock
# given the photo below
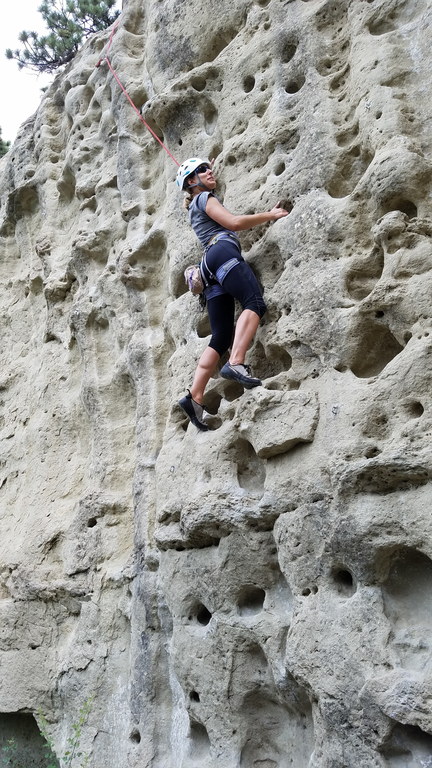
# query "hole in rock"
(66, 185)
(232, 391)
(346, 137)
(324, 67)
(210, 118)
(390, 477)
(351, 166)
(310, 591)
(194, 696)
(250, 600)
(135, 736)
(279, 168)
(248, 83)
(407, 594)
(276, 734)
(375, 348)
(198, 83)
(295, 85)
(400, 204)
(22, 744)
(251, 471)
(372, 452)
(380, 28)
(212, 401)
(407, 747)
(221, 40)
(91, 522)
(288, 51)
(414, 409)
(343, 581)
(363, 276)
(214, 151)
(199, 744)
(201, 614)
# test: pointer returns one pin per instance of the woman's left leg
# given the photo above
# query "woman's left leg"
(203, 373)
(221, 315)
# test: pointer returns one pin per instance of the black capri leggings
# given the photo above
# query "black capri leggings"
(221, 315)
(241, 284)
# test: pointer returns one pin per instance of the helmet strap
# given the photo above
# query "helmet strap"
(198, 184)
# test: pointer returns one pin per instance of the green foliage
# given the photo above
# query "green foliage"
(4, 145)
(72, 750)
(10, 756)
(68, 23)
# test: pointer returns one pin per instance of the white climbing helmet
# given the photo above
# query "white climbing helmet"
(188, 167)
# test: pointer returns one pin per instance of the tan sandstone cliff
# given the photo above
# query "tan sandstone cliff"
(259, 595)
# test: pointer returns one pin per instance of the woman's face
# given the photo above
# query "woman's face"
(204, 175)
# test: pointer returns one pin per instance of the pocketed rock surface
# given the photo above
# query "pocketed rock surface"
(259, 595)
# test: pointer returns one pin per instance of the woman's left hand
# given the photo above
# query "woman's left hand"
(278, 212)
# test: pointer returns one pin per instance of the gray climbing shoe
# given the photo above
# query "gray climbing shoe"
(240, 373)
(194, 411)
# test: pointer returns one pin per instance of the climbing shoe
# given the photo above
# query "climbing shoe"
(240, 373)
(194, 411)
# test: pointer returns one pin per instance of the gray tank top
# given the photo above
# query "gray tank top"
(204, 227)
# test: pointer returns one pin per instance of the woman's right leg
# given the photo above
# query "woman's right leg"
(246, 328)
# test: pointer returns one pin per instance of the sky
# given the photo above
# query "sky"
(20, 90)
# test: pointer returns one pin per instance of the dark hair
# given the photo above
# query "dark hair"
(188, 196)
(187, 200)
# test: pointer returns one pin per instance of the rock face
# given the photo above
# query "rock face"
(259, 595)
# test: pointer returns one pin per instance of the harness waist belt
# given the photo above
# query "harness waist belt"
(222, 236)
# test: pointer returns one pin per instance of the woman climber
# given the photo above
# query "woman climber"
(228, 277)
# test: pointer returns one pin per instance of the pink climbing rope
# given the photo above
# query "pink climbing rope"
(117, 79)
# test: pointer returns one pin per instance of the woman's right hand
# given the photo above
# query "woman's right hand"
(278, 212)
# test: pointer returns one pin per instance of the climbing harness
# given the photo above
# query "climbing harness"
(117, 79)
(223, 236)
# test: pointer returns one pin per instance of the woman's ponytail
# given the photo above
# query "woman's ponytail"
(187, 200)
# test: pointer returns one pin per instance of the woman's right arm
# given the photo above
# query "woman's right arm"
(236, 223)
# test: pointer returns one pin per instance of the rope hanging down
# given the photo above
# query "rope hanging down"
(117, 79)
